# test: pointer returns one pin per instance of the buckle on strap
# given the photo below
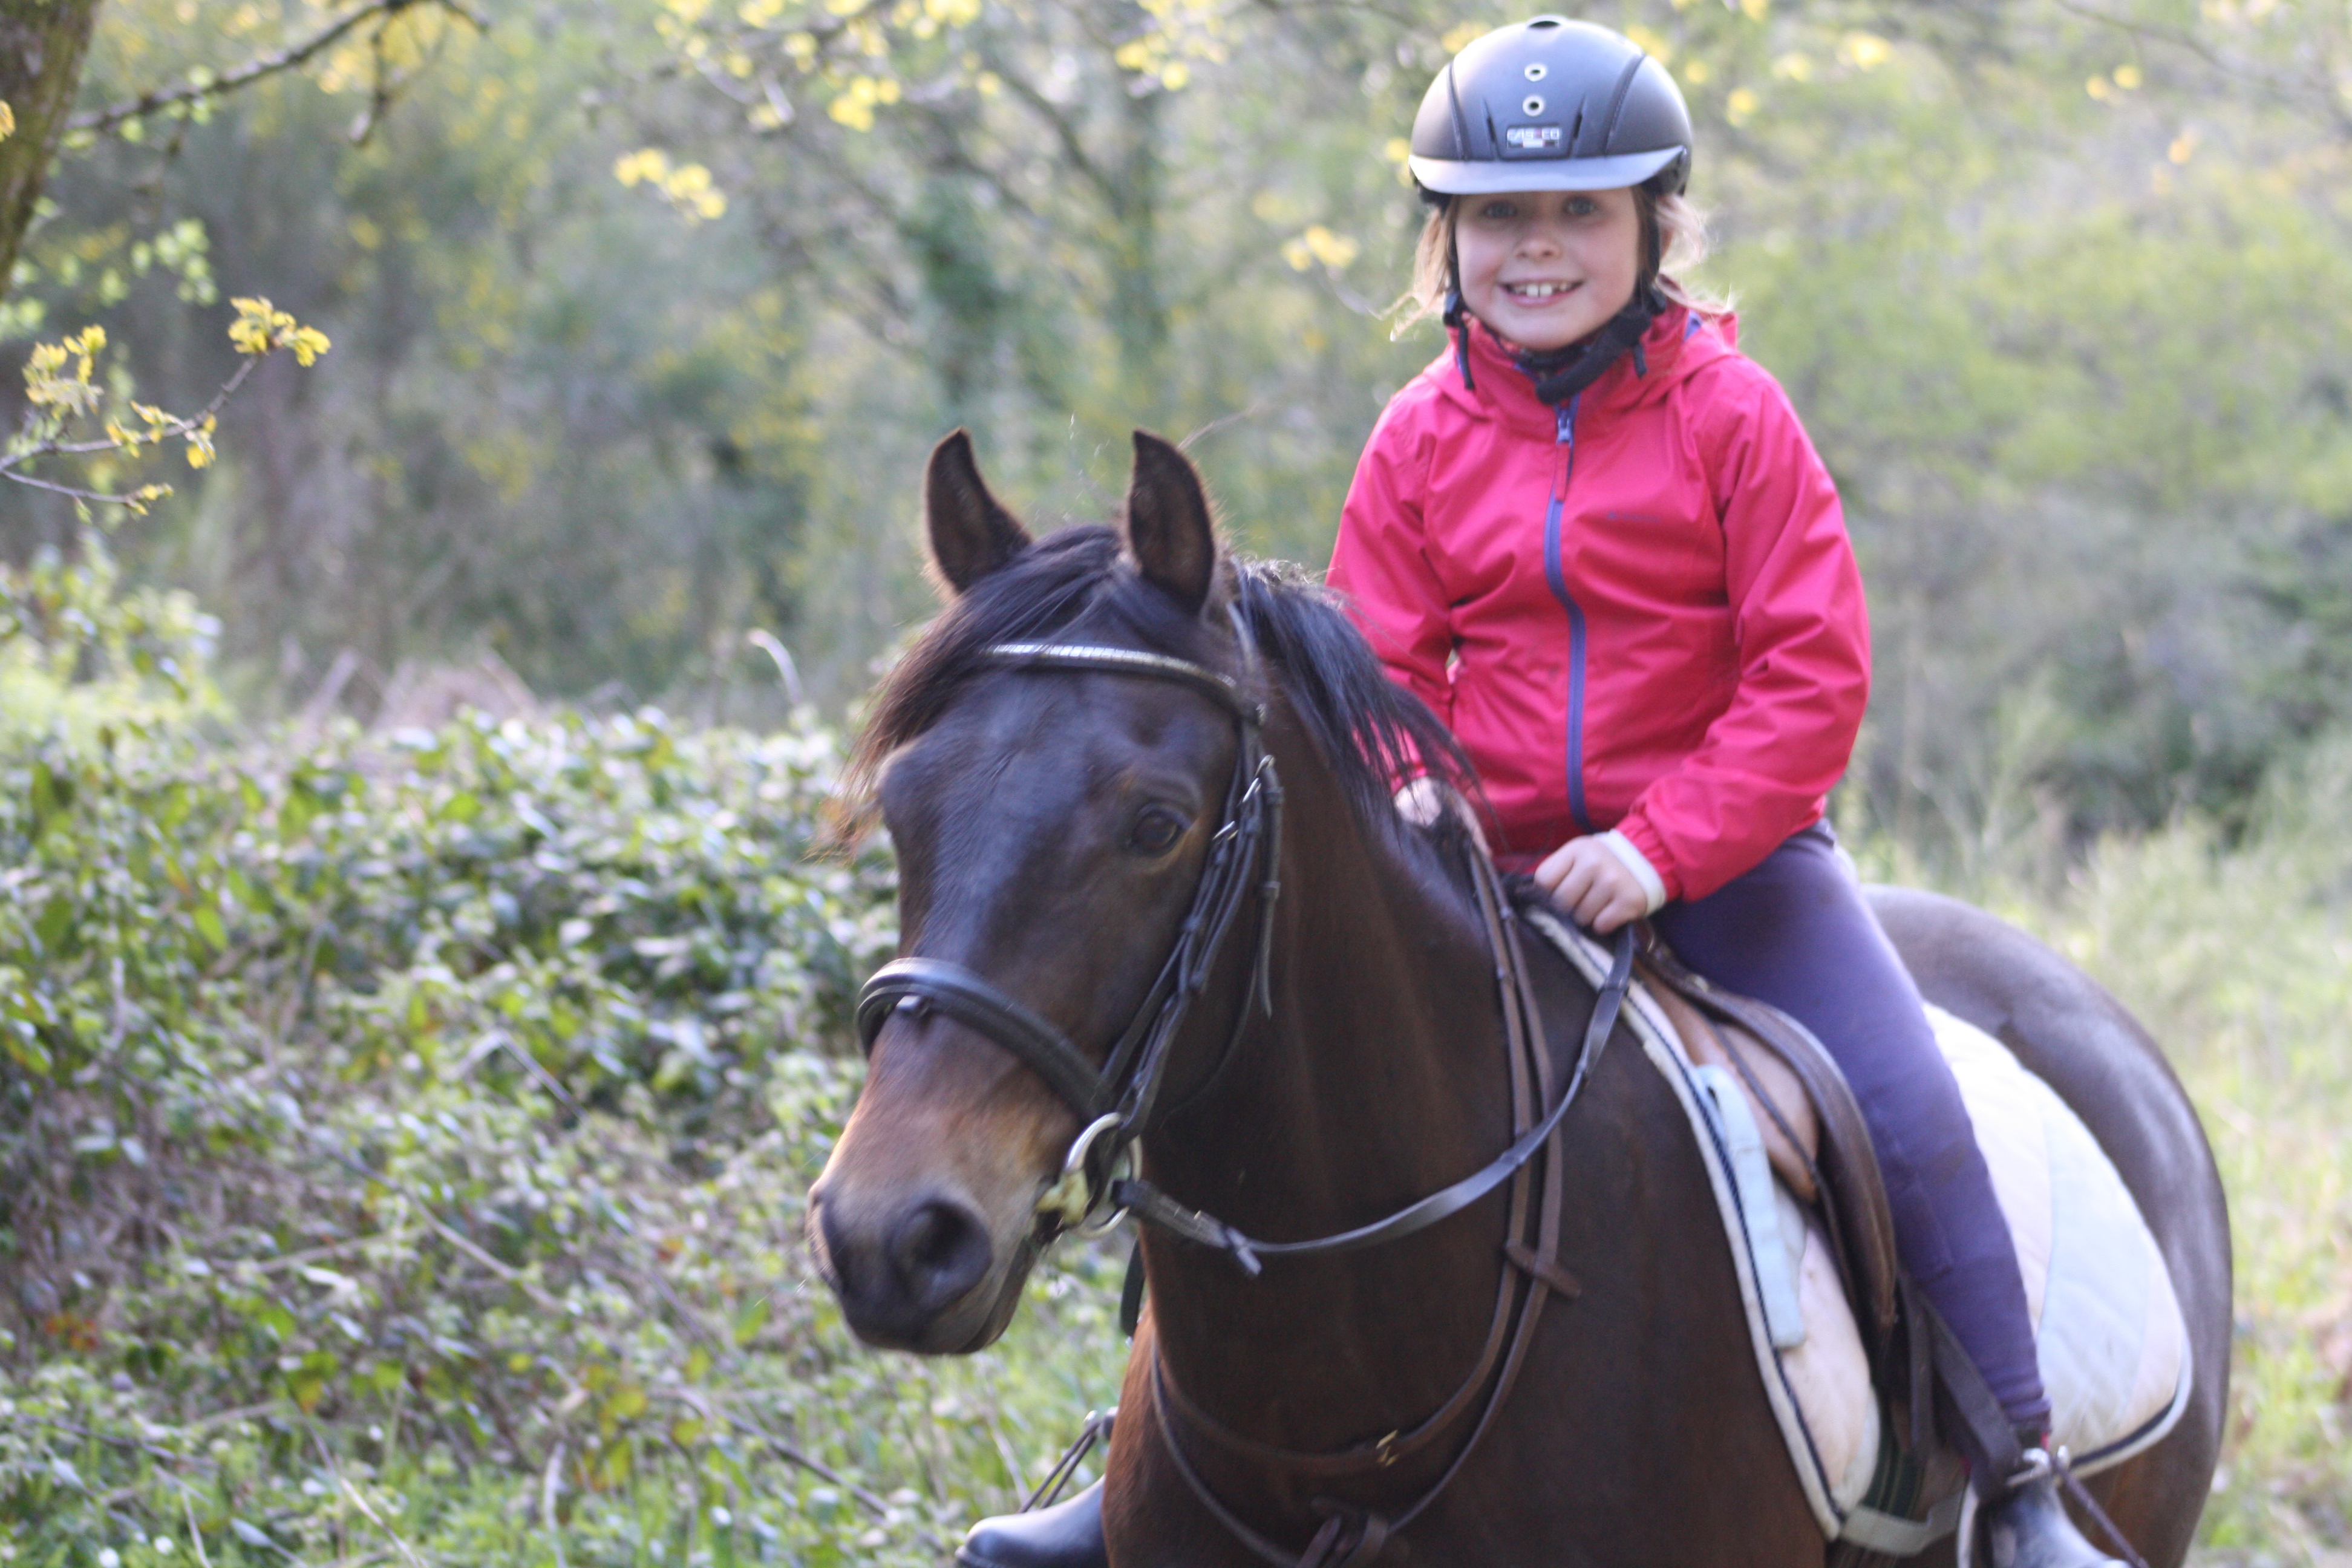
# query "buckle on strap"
(1081, 1193)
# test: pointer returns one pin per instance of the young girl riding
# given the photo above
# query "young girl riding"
(1596, 540)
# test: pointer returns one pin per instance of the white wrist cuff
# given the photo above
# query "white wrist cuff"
(1653, 887)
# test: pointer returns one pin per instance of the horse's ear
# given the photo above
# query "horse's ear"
(971, 535)
(1168, 523)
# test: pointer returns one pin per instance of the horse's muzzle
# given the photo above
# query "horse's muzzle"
(922, 1274)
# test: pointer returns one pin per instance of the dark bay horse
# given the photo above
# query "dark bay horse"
(1052, 823)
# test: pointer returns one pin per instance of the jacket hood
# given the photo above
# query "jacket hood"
(1679, 343)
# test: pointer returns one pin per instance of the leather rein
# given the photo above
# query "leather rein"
(1116, 1105)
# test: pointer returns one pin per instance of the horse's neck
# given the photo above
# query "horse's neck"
(1379, 1079)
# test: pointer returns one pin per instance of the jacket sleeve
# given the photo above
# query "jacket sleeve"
(1802, 639)
(1381, 568)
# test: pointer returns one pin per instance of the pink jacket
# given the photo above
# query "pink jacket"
(1639, 612)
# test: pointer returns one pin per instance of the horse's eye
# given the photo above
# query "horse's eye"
(1156, 830)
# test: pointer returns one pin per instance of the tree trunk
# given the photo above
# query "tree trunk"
(42, 43)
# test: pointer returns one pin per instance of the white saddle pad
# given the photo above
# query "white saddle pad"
(2112, 1341)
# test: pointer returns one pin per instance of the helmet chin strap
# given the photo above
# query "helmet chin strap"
(1457, 315)
(1561, 373)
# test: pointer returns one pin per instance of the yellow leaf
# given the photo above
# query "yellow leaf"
(7, 121)
(2183, 148)
(632, 168)
(1866, 51)
(1740, 105)
(1333, 250)
(253, 327)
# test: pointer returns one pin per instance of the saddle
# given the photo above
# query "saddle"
(1857, 1368)
(1813, 1134)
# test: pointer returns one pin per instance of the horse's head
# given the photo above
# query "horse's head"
(1052, 824)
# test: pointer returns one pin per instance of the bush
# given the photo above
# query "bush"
(403, 1145)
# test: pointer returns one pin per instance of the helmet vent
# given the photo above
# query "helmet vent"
(1532, 107)
(1538, 71)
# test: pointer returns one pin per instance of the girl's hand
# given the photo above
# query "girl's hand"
(1592, 886)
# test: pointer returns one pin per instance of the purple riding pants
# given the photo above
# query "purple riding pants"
(1795, 933)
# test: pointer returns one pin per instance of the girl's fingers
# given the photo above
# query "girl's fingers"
(1591, 885)
(1616, 912)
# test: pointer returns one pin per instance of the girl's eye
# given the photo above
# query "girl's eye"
(1157, 828)
(1582, 207)
(1499, 211)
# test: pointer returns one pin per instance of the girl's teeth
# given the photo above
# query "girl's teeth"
(1538, 290)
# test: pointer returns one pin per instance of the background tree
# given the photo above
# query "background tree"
(41, 46)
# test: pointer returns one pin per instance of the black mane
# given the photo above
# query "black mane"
(1371, 731)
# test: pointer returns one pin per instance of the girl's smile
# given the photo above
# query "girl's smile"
(1544, 268)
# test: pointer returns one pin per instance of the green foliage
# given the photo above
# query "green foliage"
(81, 652)
(404, 1142)
(403, 1139)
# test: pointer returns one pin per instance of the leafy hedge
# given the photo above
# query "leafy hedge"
(403, 1143)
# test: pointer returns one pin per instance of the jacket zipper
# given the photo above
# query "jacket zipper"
(1557, 577)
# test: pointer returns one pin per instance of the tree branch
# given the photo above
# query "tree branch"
(104, 119)
(170, 430)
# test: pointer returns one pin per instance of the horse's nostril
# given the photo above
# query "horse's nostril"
(940, 1251)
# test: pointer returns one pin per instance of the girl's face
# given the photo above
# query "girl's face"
(1544, 268)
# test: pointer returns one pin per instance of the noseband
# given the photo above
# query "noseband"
(1115, 1103)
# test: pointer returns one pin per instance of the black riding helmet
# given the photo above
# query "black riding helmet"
(1554, 105)
(1550, 105)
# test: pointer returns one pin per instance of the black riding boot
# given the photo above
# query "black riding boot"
(1068, 1535)
(2024, 1525)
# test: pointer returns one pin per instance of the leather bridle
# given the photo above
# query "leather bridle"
(1116, 1105)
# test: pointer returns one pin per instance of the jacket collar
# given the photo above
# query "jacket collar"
(1677, 344)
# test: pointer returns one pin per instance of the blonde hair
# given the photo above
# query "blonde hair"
(1677, 222)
